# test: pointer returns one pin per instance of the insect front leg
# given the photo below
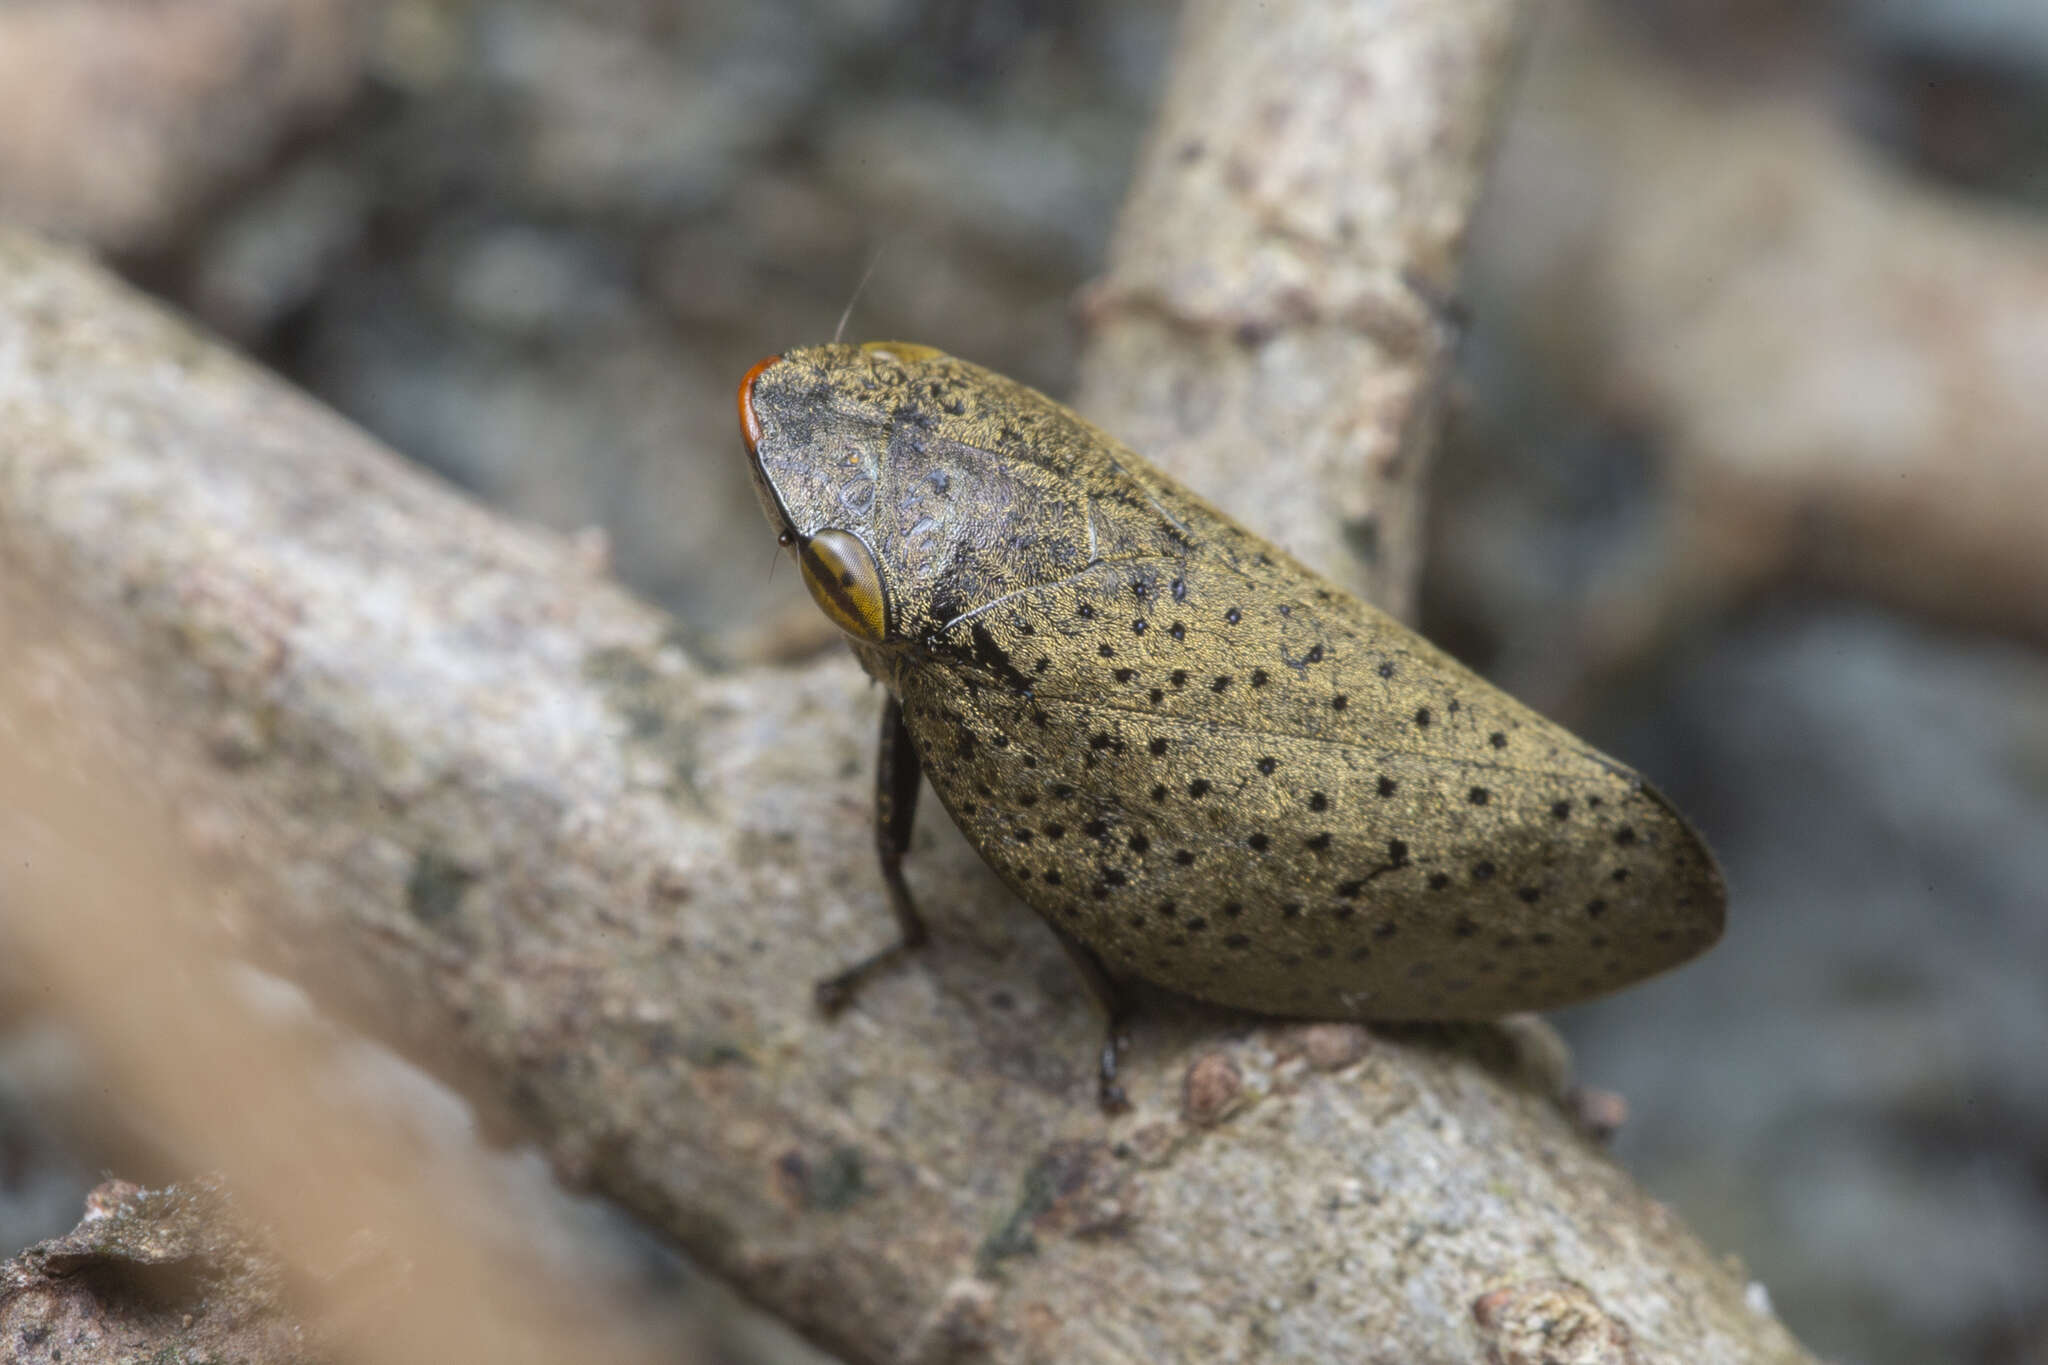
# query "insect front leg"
(897, 775)
(1117, 1006)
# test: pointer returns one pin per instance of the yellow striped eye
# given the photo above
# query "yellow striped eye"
(846, 583)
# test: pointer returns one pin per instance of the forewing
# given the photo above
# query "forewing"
(1228, 777)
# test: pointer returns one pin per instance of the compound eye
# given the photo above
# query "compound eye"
(846, 583)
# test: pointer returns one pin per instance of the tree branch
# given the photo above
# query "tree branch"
(1275, 324)
(451, 774)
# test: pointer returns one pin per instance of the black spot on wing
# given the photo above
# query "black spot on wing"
(993, 657)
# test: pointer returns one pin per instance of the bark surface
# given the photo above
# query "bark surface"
(167, 1272)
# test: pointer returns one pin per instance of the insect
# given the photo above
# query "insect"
(1204, 765)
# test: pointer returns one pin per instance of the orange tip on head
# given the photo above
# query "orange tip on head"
(750, 424)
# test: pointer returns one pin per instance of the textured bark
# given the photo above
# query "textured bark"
(1275, 322)
(148, 1274)
(453, 775)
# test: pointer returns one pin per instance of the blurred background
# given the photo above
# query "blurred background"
(1745, 475)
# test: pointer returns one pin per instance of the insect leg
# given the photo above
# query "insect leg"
(1116, 1002)
(897, 774)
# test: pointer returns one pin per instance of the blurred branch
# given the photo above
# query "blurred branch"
(1841, 364)
(175, 101)
(392, 1257)
(448, 775)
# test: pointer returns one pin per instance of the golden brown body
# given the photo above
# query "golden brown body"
(1208, 765)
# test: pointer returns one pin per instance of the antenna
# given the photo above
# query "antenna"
(866, 275)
